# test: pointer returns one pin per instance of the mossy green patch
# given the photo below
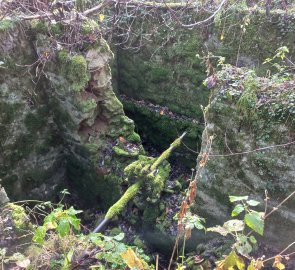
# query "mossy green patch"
(34, 176)
(35, 121)
(6, 24)
(134, 137)
(39, 26)
(125, 153)
(20, 219)
(75, 70)
(89, 27)
(152, 125)
(7, 115)
(87, 105)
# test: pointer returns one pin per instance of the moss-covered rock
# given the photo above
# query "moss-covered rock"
(246, 156)
(60, 130)
(74, 68)
(19, 217)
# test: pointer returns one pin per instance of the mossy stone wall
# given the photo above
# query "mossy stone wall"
(165, 71)
(59, 130)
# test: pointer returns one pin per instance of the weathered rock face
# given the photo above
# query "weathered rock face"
(166, 72)
(58, 127)
(247, 113)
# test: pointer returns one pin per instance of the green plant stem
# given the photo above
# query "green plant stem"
(183, 249)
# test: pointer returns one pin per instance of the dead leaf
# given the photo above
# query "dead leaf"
(132, 260)
(182, 210)
(230, 262)
(188, 233)
(122, 139)
(255, 265)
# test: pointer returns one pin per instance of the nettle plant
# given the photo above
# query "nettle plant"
(236, 228)
(61, 220)
(244, 241)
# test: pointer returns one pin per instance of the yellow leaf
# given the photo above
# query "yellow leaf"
(278, 263)
(255, 265)
(222, 36)
(51, 225)
(230, 262)
(101, 17)
(132, 260)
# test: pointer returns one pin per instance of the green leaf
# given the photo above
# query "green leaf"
(242, 245)
(218, 229)
(75, 222)
(234, 225)
(71, 211)
(49, 218)
(239, 208)
(237, 198)
(253, 203)
(233, 260)
(252, 239)
(63, 227)
(65, 192)
(255, 221)
(39, 235)
(119, 237)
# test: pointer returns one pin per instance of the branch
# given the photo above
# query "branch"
(280, 204)
(208, 19)
(131, 192)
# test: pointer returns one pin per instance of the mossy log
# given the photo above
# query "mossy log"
(134, 189)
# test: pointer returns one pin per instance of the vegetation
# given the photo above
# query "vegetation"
(62, 125)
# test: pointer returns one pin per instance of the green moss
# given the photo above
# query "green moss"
(150, 214)
(157, 182)
(92, 147)
(20, 219)
(36, 175)
(39, 26)
(115, 231)
(120, 205)
(153, 125)
(121, 152)
(34, 122)
(61, 117)
(159, 74)
(139, 243)
(7, 115)
(22, 147)
(75, 70)
(51, 139)
(89, 27)
(134, 137)
(6, 24)
(57, 29)
(87, 105)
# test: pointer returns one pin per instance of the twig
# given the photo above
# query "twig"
(206, 20)
(281, 253)
(251, 151)
(280, 204)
